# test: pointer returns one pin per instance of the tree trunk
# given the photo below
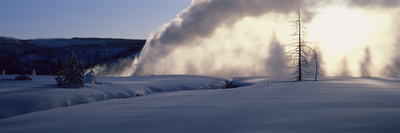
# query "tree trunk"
(299, 24)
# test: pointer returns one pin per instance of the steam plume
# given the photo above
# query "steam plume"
(237, 38)
(200, 22)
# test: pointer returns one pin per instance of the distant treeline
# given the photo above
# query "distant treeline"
(19, 56)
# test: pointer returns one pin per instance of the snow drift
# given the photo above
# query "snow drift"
(20, 97)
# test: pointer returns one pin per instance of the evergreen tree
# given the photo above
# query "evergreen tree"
(60, 66)
(61, 81)
(72, 73)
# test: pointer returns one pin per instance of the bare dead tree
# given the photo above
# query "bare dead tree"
(316, 65)
(315, 61)
(299, 51)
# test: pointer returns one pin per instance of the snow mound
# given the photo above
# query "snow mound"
(20, 97)
(257, 81)
(90, 77)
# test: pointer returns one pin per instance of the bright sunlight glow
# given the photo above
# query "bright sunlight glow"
(341, 33)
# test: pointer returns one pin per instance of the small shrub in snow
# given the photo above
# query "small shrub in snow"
(71, 73)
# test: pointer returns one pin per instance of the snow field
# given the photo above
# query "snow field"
(20, 97)
(330, 105)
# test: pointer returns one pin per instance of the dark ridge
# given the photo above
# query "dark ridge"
(18, 56)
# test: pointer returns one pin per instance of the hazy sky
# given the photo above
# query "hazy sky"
(135, 19)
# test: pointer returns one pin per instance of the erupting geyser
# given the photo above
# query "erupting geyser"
(228, 38)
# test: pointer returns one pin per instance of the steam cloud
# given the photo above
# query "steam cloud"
(198, 23)
(230, 38)
(391, 68)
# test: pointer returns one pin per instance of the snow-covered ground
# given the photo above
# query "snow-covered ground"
(20, 97)
(268, 105)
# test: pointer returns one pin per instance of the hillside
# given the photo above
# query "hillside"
(18, 56)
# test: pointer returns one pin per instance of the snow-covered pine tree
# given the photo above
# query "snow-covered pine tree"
(81, 75)
(33, 73)
(74, 73)
(61, 81)
(71, 73)
(60, 66)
